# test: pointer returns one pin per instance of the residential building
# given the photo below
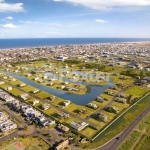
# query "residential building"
(78, 126)
(66, 103)
(103, 117)
(46, 106)
(63, 115)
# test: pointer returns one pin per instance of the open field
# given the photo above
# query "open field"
(141, 129)
(130, 141)
(29, 142)
(144, 143)
(121, 123)
(127, 81)
(136, 91)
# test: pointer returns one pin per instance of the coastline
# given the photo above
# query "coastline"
(78, 44)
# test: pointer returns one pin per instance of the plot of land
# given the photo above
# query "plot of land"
(15, 146)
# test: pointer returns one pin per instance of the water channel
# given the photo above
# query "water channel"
(92, 93)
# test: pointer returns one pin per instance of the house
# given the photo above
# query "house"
(5, 77)
(110, 93)
(45, 106)
(9, 88)
(73, 89)
(63, 128)
(2, 82)
(35, 102)
(5, 123)
(148, 85)
(63, 115)
(66, 82)
(92, 105)
(40, 80)
(22, 85)
(44, 121)
(103, 117)
(100, 99)
(147, 79)
(62, 145)
(24, 96)
(52, 98)
(112, 109)
(50, 83)
(36, 91)
(120, 84)
(78, 126)
(45, 77)
(121, 95)
(60, 58)
(5, 96)
(28, 75)
(82, 111)
(13, 79)
(66, 103)
(62, 86)
(121, 100)
(36, 78)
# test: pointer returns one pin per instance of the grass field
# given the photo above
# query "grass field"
(15, 146)
(121, 123)
(127, 145)
(127, 81)
(144, 143)
(88, 132)
(136, 91)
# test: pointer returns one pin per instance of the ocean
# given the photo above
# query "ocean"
(37, 42)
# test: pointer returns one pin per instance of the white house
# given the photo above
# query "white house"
(2, 82)
(78, 126)
(66, 103)
(35, 102)
(45, 106)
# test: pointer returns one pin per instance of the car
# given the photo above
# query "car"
(117, 138)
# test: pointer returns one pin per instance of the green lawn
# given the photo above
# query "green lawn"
(144, 143)
(127, 81)
(28, 88)
(42, 94)
(137, 91)
(88, 132)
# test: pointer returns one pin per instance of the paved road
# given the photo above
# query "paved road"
(114, 143)
(9, 136)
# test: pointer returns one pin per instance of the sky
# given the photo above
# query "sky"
(74, 18)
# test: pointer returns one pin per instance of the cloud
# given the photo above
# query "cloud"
(100, 21)
(9, 18)
(7, 7)
(29, 22)
(103, 5)
(9, 26)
